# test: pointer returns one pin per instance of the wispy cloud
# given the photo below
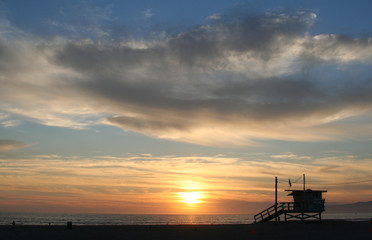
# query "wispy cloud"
(7, 121)
(216, 16)
(232, 83)
(147, 13)
(8, 145)
(116, 183)
(291, 156)
(82, 19)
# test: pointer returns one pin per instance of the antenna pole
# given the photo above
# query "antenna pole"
(304, 181)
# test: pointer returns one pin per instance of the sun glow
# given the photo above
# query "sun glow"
(191, 197)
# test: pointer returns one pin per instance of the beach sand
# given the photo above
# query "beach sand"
(328, 229)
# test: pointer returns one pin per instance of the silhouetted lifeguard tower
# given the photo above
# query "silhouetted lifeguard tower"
(307, 204)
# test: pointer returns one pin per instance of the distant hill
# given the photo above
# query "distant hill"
(358, 207)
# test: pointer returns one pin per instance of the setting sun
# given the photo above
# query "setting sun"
(191, 197)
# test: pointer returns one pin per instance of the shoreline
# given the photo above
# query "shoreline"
(327, 229)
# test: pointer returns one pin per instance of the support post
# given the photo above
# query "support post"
(276, 199)
(302, 215)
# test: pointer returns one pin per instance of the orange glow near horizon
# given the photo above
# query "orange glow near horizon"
(179, 185)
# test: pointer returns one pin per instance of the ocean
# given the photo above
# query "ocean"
(127, 219)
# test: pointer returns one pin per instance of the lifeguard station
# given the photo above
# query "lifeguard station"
(307, 204)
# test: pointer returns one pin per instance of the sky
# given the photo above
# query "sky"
(183, 107)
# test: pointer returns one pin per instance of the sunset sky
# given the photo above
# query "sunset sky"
(184, 106)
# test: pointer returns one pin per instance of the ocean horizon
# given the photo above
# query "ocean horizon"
(56, 219)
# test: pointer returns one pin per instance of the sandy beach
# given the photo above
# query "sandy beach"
(291, 230)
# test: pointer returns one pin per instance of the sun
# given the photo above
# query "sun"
(191, 197)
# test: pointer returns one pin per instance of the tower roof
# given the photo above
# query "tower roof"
(295, 192)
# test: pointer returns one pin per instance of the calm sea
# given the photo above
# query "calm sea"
(117, 219)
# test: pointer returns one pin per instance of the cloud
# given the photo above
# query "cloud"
(235, 82)
(146, 179)
(290, 156)
(82, 19)
(8, 145)
(147, 13)
(216, 16)
(7, 121)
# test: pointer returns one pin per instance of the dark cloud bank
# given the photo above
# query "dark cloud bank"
(235, 81)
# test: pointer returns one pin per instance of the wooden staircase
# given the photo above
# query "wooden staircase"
(274, 211)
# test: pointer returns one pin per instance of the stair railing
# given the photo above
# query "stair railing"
(276, 208)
